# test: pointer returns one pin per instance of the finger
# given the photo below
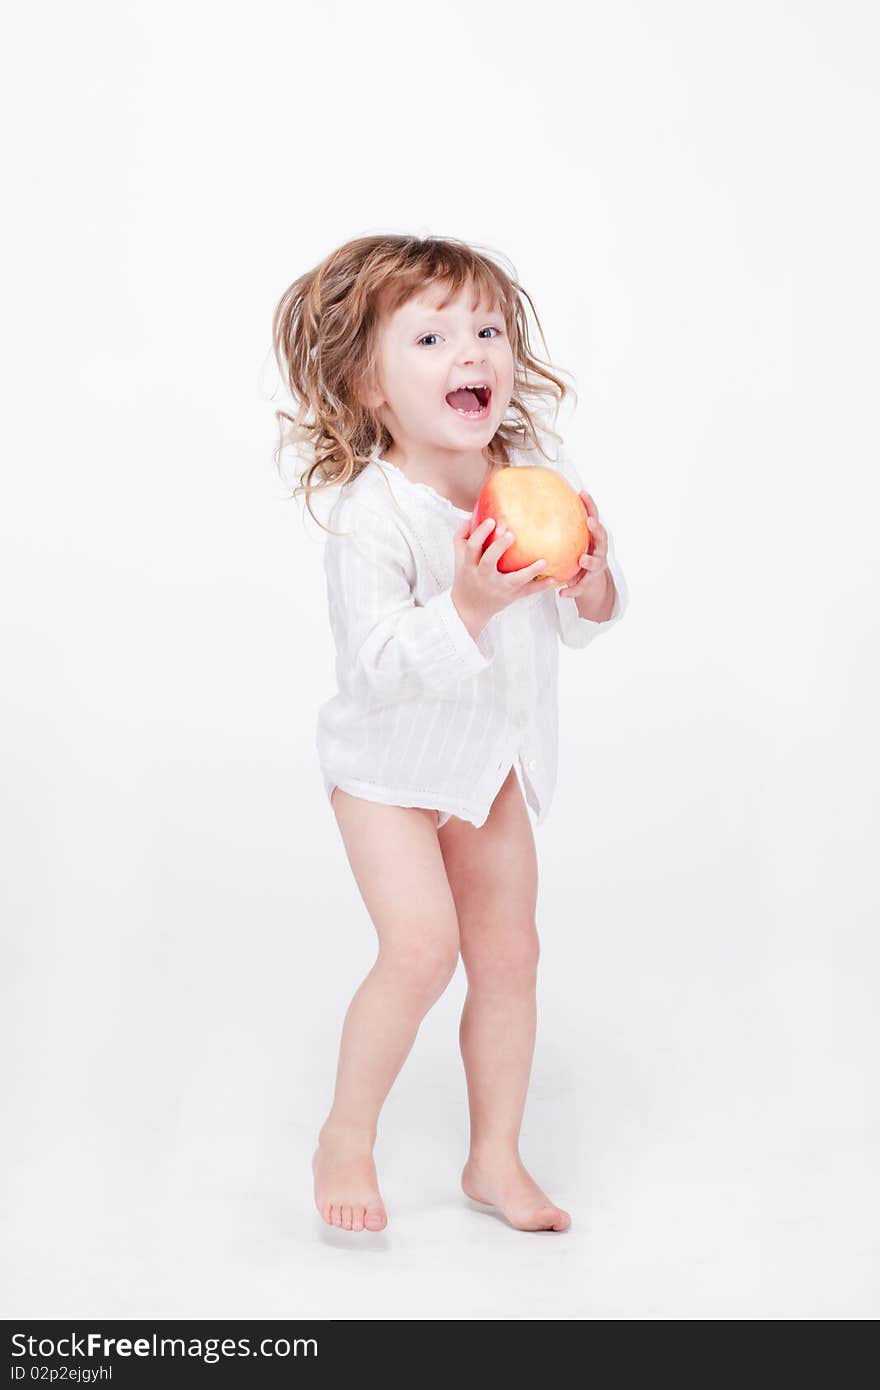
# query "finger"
(491, 555)
(597, 546)
(571, 584)
(528, 572)
(465, 528)
(590, 505)
(590, 573)
(502, 540)
(477, 537)
(589, 555)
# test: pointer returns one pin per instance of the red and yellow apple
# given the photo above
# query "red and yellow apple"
(547, 517)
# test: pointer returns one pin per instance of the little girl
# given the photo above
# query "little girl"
(411, 364)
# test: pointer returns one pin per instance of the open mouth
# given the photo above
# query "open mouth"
(470, 401)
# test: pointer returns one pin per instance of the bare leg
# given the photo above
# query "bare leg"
(395, 857)
(492, 872)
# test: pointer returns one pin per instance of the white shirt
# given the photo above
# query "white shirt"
(425, 714)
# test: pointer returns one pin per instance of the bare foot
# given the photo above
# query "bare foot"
(346, 1186)
(505, 1184)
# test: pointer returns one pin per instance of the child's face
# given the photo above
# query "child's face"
(424, 353)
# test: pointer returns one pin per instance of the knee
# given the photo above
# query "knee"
(506, 955)
(423, 968)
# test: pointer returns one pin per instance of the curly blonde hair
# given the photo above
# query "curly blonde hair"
(325, 335)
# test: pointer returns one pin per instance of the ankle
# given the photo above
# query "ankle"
(494, 1153)
(334, 1130)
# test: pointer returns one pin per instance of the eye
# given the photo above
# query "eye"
(491, 327)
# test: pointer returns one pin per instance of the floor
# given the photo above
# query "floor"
(688, 1225)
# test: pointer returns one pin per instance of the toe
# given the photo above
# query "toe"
(375, 1218)
(357, 1218)
(346, 1218)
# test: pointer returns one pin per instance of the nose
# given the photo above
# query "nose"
(468, 357)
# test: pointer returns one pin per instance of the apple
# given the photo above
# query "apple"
(547, 517)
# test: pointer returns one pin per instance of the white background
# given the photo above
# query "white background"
(689, 194)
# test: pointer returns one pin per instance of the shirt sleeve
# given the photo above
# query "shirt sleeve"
(575, 631)
(385, 640)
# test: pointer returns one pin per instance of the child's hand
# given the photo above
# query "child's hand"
(594, 562)
(480, 589)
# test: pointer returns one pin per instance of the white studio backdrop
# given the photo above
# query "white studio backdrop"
(689, 194)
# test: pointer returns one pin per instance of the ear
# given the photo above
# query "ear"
(369, 394)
